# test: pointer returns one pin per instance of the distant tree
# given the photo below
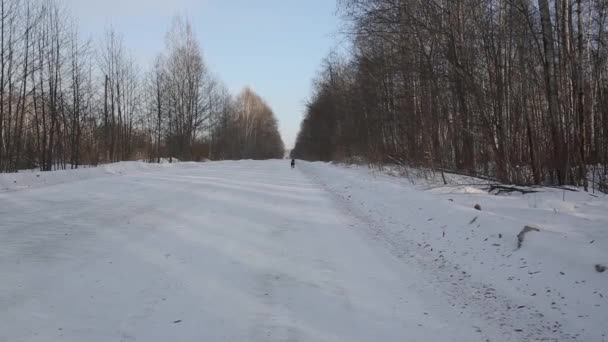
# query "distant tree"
(248, 129)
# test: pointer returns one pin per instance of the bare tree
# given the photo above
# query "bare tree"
(65, 103)
(511, 89)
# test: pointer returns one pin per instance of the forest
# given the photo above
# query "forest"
(66, 101)
(513, 90)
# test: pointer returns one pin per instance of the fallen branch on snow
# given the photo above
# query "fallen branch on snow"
(520, 236)
(508, 189)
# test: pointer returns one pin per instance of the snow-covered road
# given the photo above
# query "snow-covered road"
(230, 251)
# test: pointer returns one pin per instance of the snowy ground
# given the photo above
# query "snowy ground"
(255, 251)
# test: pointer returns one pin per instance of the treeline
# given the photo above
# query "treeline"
(246, 129)
(66, 101)
(512, 89)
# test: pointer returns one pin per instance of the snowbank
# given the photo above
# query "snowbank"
(37, 179)
(551, 279)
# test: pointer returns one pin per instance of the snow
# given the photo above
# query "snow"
(35, 179)
(255, 251)
(549, 288)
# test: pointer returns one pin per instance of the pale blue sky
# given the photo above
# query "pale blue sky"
(274, 46)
